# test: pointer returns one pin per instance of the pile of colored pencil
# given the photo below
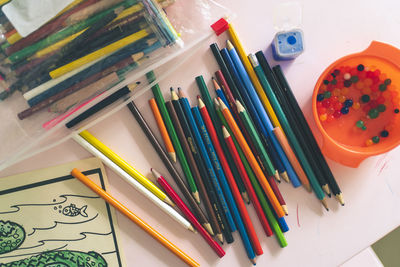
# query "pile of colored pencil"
(86, 49)
(234, 148)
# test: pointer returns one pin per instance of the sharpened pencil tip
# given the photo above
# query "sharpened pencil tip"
(253, 261)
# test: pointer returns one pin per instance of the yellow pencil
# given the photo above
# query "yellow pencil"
(14, 38)
(99, 53)
(125, 166)
(134, 218)
(2, 2)
(253, 77)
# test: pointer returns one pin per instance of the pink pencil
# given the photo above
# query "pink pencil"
(189, 215)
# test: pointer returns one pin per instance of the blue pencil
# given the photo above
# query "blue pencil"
(263, 114)
(224, 183)
(186, 108)
(221, 95)
(253, 112)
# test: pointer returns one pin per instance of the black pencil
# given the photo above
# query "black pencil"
(307, 133)
(198, 212)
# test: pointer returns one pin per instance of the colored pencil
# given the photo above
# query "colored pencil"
(252, 160)
(184, 144)
(125, 166)
(171, 168)
(243, 56)
(80, 82)
(280, 113)
(107, 50)
(232, 103)
(182, 206)
(125, 211)
(227, 192)
(210, 107)
(307, 133)
(270, 171)
(46, 29)
(256, 139)
(135, 184)
(124, 91)
(229, 177)
(55, 86)
(260, 110)
(246, 100)
(257, 188)
(246, 180)
(163, 130)
(183, 157)
(195, 162)
(88, 92)
(230, 226)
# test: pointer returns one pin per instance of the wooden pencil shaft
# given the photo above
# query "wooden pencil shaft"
(200, 144)
(135, 184)
(210, 107)
(99, 106)
(306, 130)
(203, 181)
(164, 157)
(192, 168)
(258, 113)
(214, 245)
(46, 29)
(125, 211)
(246, 179)
(253, 162)
(230, 180)
(122, 164)
(93, 69)
(238, 222)
(257, 141)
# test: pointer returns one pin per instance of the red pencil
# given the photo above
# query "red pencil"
(188, 214)
(246, 181)
(229, 176)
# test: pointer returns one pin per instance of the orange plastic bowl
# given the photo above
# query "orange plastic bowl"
(343, 141)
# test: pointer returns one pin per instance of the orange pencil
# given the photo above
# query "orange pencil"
(252, 160)
(163, 130)
(292, 158)
(124, 210)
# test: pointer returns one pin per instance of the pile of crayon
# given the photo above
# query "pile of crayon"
(89, 47)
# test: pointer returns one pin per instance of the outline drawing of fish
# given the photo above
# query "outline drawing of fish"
(73, 211)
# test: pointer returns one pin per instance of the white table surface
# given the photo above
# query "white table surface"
(332, 29)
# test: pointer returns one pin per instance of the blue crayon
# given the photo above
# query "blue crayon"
(224, 183)
(186, 108)
(263, 115)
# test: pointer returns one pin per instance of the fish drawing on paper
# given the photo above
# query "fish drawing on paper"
(12, 235)
(72, 210)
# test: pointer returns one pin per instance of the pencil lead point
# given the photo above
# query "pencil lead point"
(198, 97)
(171, 89)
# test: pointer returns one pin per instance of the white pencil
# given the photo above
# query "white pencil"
(162, 205)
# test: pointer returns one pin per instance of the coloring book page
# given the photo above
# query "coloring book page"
(49, 218)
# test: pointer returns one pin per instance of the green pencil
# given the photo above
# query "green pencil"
(257, 188)
(217, 125)
(266, 160)
(174, 137)
(305, 163)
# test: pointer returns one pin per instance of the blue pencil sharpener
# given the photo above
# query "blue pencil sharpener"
(287, 45)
